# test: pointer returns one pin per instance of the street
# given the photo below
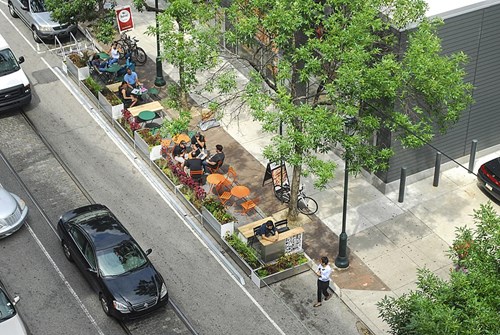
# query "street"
(67, 157)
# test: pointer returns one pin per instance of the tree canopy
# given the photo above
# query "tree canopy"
(325, 62)
(468, 303)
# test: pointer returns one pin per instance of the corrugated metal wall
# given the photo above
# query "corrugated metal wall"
(478, 35)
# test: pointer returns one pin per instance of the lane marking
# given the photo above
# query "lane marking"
(144, 170)
(68, 285)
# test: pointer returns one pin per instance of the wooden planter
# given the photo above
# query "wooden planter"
(276, 277)
(220, 229)
(192, 209)
(113, 111)
(89, 94)
(78, 73)
(151, 154)
(123, 132)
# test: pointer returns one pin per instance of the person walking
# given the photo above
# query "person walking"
(324, 271)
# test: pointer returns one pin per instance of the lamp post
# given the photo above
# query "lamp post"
(342, 260)
(159, 80)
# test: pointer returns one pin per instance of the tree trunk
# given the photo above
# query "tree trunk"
(293, 212)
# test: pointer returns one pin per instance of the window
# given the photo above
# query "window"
(120, 259)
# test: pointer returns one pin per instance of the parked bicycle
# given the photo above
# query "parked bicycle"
(306, 205)
(128, 46)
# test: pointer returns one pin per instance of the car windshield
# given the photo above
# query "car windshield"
(8, 62)
(88, 216)
(37, 6)
(6, 309)
(120, 259)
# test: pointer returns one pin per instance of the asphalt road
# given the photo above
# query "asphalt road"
(54, 296)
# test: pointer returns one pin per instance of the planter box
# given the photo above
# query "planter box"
(170, 184)
(193, 210)
(276, 277)
(144, 147)
(79, 73)
(115, 112)
(123, 132)
(220, 229)
(89, 94)
(235, 256)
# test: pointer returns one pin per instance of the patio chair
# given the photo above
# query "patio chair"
(197, 175)
(249, 205)
(231, 173)
(216, 168)
(225, 197)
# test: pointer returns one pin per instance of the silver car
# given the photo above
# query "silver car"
(10, 321)
(38, 19)
(13, 212)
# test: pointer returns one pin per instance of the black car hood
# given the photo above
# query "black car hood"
(135, 287)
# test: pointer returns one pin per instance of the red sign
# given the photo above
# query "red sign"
(124, 18)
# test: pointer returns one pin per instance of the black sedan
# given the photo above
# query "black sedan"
(488, 177)
(119, 271)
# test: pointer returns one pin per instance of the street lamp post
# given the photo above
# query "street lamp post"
(342, 260)
(159, 80)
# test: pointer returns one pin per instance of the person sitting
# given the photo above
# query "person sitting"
(114, 54)
(267, 231)
(196, 152)
(98, 64)
(193, 168)
(216, 160)
(199, 139)
(131, 78)
(179, 151)
(128, 99)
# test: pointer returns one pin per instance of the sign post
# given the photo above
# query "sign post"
(124, 18)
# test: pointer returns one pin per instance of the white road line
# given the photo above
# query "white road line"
(68, 285)
(142, 168)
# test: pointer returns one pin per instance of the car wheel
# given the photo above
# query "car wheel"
(12, 11)
(104, 304)
(35, 36)
(66, 251)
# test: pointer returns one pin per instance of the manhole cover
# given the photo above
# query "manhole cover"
(363, 329)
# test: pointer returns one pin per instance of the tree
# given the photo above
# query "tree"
(324, 62)
(85, 11)
(189, 34)
(466, 304)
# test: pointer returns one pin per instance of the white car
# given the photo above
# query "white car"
(10, 321)
(13, 212)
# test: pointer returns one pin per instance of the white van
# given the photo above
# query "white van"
(15, 88)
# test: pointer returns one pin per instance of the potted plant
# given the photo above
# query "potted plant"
(91, 88)
(215, 214)
(110, 102)
(284, 267)
(128, 125)
(77, 64)
(149, 143)
(244, 255)
(176, 126)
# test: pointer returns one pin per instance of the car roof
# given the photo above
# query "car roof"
(102, 227)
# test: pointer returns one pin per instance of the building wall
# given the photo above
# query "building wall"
(476, 33)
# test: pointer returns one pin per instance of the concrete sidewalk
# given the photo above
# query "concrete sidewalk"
(388, 240)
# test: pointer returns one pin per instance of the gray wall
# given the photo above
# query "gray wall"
(478, 35)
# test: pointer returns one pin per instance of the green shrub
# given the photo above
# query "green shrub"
(283, 263)
(218, 210)
(92, 85)
(248, 254)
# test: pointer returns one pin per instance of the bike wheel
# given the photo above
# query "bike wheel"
(122, 48)
(307, 206)
(139, 56)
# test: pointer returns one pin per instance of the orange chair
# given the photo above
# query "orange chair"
(231, 173)
(224, 197)
(166, 143)
(216, 168)
(249, 205)
(197, 175)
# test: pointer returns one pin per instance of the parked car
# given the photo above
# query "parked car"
(488, 177)
(13, 212)
(37, 18)
(10, 321)
(15, 87)
(116, 267)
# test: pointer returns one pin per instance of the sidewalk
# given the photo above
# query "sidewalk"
(388, 240)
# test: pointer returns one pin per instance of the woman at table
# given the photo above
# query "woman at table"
(126, 95)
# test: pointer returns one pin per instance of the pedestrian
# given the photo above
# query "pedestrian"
(324, 271)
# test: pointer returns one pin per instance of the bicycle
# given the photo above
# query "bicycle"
(306, 205)
(128, 46)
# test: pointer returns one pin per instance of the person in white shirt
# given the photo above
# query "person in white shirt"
(324, 271)
(114, 54)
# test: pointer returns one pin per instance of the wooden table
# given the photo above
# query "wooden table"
(214, 179)
(240, 191)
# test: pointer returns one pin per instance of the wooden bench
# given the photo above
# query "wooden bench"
(283, 236)
(154, 106)
(246, 231)
(114, 87)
